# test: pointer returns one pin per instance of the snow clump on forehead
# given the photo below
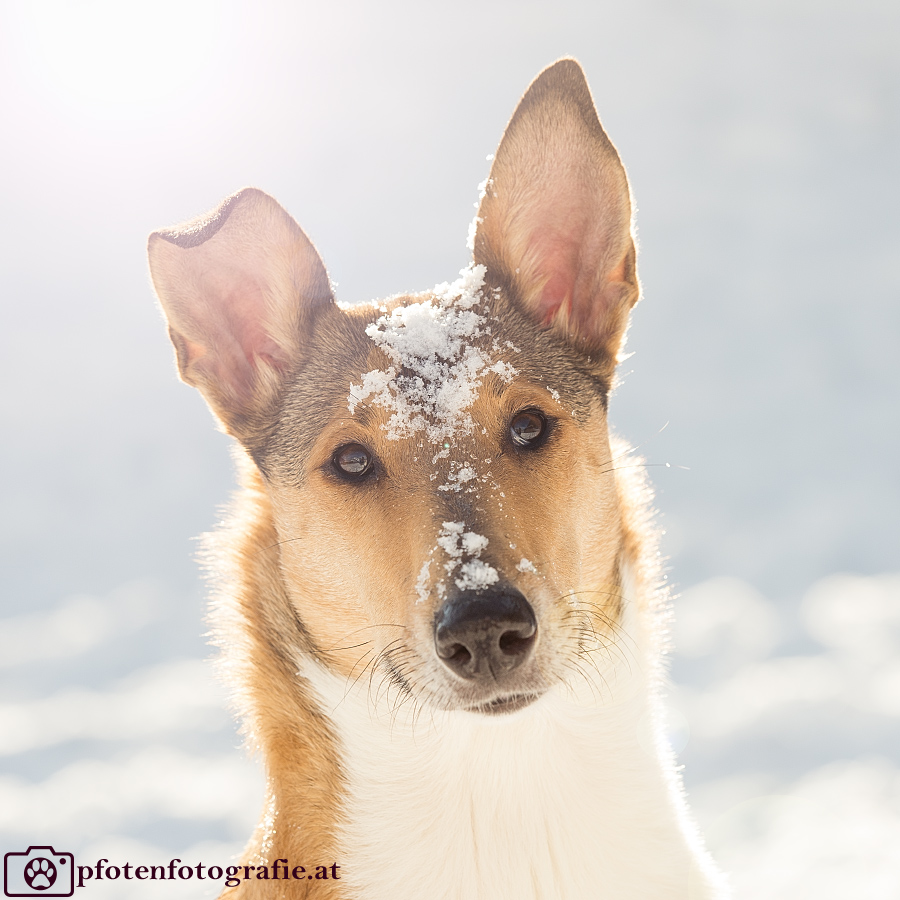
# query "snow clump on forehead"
(438, 361)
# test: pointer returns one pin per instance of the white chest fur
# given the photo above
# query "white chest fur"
(570, 798)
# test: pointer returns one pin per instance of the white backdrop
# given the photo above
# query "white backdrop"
(762, 141)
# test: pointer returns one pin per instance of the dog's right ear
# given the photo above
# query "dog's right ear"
(555, 219)
(239, 287)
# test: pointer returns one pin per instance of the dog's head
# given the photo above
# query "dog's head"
(438, 465)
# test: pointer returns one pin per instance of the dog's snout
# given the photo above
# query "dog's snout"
(484, 635)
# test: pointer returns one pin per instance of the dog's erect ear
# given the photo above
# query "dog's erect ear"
(555, 219)
(239, 287)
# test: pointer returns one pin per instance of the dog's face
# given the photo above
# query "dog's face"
(438, 465)
(456, 550)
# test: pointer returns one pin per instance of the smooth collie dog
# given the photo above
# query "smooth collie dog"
(439, 598)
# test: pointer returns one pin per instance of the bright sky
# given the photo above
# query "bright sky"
(111, 59)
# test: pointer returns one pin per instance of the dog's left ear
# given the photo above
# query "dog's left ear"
(555, 219)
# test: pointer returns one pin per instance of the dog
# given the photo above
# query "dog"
(439, 593)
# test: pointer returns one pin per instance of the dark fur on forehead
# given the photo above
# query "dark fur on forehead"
(545, 356)
(338, 353)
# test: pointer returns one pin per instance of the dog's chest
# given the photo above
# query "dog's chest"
(559, 801)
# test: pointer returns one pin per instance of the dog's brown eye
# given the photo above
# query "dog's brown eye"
(527, 428)
(352, 459)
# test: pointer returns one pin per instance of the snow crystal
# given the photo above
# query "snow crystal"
(475, 575)
(448, 539)
(459, 475)
(473, 543)
(473, 225)
(437, 365)
(473, 230)
(374, 382)
(422, 582)
(526, 565)
(456, 542)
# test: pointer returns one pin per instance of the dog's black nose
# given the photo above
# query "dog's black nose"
(484, 635)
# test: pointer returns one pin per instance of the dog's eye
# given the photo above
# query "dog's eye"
(352, 459)
(527, 428)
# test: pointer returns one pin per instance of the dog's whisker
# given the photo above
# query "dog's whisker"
(348, 647)
(642, 465)
(349, 686)
(350, 673)
(337, 649)
(376, 665)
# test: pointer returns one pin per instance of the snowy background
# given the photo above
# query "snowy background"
(762, 141)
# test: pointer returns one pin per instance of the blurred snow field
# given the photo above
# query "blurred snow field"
(137, 759)
(792, 763)
(789, 731)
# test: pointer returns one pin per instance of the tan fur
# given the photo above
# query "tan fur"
(258, 632)
(318, 573)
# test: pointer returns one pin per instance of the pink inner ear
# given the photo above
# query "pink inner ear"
(556, 293)
(240, 336)
(574, 290)
(246, 311)
(555, 252)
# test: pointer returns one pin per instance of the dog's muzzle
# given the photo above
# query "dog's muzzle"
(483, 636)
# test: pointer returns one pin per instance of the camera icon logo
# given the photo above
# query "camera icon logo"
(38, 872)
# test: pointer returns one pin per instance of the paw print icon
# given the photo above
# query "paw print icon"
(38, 872)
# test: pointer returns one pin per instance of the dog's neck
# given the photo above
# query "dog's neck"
(573, 797)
